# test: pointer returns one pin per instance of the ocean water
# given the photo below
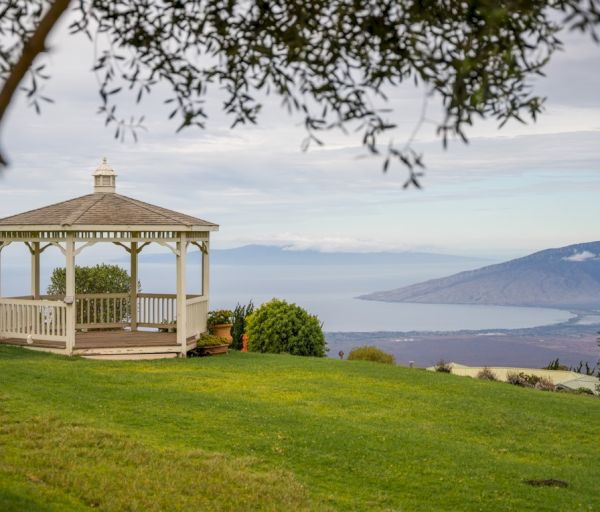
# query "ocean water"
(329, 292)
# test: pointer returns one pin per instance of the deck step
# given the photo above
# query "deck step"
(131, 357)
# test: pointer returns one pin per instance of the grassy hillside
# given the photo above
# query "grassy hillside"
(259, 432)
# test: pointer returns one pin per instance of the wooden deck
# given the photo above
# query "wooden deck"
(124, 339)
(114, 344)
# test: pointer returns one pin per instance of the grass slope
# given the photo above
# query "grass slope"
(260, 432)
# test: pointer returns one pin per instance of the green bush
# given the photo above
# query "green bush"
(277, 326)
(367, 353)
(240, 314)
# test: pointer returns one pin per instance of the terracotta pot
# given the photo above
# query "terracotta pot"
(214, 350)
(245, 343)
(223, 330)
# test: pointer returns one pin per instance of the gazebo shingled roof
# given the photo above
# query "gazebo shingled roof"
(103, 209)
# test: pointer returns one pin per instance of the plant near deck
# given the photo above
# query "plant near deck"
(240, 314)
(97, 279)
(219, 317)
(278, 326)
(210, 340)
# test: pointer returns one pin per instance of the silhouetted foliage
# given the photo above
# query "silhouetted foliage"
(555, 365)
(331, 61)
(443, 367)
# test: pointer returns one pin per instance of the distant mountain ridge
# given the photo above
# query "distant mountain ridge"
(564, 277)
(276, 255)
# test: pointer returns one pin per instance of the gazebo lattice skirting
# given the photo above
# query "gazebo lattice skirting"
(109, 325)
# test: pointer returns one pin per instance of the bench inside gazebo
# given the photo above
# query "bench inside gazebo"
(109, 325)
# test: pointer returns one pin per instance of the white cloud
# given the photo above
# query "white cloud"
(325, 243)
(580, 256)
(257, 184)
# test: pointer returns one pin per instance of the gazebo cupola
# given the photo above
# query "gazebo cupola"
(107, 324)
(104, 178)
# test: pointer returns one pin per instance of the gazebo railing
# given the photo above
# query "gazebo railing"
(44, 319)
(41, 319)
(196, 315)
(157, 310)
(102, 310)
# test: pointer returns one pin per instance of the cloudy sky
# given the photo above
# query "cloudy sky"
(507, 193)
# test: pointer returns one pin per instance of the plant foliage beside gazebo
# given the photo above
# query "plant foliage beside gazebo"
(61, 322)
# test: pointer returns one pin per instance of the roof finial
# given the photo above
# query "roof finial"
(104, 178)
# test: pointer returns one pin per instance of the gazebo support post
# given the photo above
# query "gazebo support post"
(70, 292)
(35, 270)
(205, 270)
(133, 253)
(181, 294)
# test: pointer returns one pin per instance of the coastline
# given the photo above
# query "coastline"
(571, 341)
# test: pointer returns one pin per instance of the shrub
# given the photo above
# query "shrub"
(240, 313)
(218, 317)
(518, 379)
(277, 326)
(367, 353)
(530, 381)
(544, 384)
(486, 374)
(443, 367)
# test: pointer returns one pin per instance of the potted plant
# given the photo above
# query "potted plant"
(210, 345)
(219, 323)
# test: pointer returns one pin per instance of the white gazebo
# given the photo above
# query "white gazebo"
(110, 325)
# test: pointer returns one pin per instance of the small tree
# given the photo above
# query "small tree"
(277, 327)
(98, 279)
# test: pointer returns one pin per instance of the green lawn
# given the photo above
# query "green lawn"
(260, 432)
